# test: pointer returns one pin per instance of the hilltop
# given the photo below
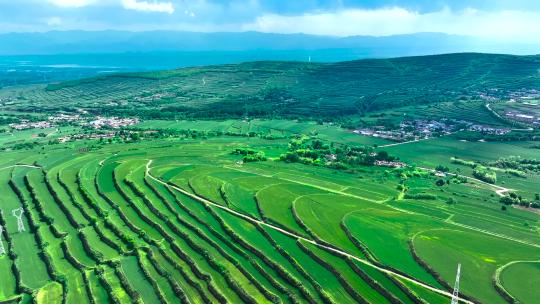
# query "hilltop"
(328, 91)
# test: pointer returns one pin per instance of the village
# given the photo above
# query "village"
(6, 100)
(528, 118)
(97, 122)
(495, 94)
(412, 130)
(74, 137)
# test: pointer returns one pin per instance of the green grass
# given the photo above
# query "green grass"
(136, 279)
(98, 291)
(379, 230)
(97, 245)
(479, 256)
(323, 215)
(521, 279)
(50, 293)
(317, 271)
(207, 186)
(328, 202)
(24, 244)
(358, 284)
(7, 287)
(276, 203)
(117, 289)
(240, 198)
(438, 151)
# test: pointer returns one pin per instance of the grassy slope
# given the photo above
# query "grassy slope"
(320, 212)
(521, 280)
(437, 151)
(293, 89)
(479, 256)
(313, 89)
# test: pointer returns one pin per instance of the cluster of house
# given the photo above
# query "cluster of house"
(50, 122)
(65, 117)
(423, 129)
(527, 118)
(67, 138)
(154, 97)
(97, 123)
(25, 124)
(379, 132)
(525, 94)
(499, 94)
(488, 129)
(391, 164)
(112, 122)
(5, 99)
(409, 130)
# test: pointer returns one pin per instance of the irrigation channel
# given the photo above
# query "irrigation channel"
(298, 237)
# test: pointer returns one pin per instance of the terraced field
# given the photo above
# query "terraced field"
(180, 221)
(472, 111)
(327, 91)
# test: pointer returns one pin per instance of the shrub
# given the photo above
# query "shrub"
(290, 157)
(463, 162)
(259, 156)
(483, 174)
(506, 200)
(421, 196)
(442, 168)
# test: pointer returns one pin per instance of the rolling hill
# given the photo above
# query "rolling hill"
(193, 203)
(292, 89)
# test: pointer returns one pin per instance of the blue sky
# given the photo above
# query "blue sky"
(506, 20)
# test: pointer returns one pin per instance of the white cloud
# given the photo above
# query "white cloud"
(71, 3)
(508, 25)
(146, 6)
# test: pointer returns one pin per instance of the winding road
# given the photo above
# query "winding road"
(499, 190)
(403, 143)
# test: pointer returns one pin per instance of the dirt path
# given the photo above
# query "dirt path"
(448, 221)
(488, 107)
(499, 190)
(298, 237)
(340, 192)
(403, 143)
(502, 236)
(25, 166)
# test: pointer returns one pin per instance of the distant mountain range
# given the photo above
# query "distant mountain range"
(77, 42)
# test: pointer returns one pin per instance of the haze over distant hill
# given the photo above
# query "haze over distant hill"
(76, 42)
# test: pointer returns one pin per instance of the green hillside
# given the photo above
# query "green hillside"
(292, 89)
(156, 187)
